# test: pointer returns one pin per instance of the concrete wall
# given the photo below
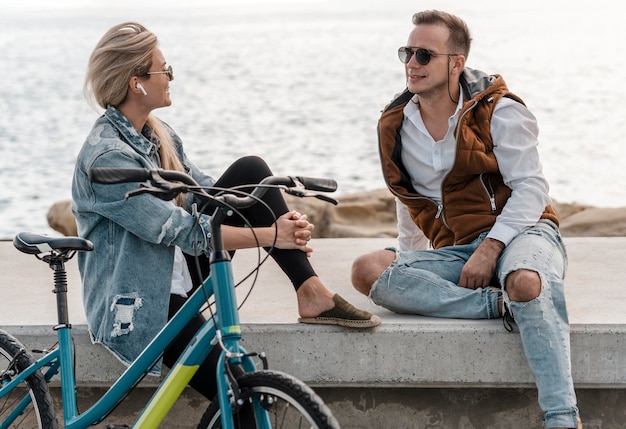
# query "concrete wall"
(411, 372)
(400, 408)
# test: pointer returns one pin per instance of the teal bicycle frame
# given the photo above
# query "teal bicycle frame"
(222, 330)
(219, 284)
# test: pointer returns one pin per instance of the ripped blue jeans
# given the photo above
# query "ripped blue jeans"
(425, 283)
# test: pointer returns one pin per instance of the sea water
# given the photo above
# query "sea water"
(302, 83)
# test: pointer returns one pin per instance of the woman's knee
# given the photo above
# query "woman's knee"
(523, 285)
(251, 160)
(250, 168)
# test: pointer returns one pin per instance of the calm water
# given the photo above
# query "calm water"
(302, 84)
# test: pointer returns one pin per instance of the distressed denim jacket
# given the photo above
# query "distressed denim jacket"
(127, 277)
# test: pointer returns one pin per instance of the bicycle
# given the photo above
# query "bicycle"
(279, 400)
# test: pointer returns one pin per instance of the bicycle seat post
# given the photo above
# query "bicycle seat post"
(56, 261)
(57, 264)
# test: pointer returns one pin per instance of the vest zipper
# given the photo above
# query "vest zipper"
(439, 213)
(439, 210)
(489, 190)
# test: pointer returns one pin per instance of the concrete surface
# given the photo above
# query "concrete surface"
(422, 372)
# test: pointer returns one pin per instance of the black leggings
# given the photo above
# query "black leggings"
(294, 263)
(252, 169)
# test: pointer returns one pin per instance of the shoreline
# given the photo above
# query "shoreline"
(371, 214)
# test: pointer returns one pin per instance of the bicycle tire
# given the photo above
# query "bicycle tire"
(40, 412)
(291, 403)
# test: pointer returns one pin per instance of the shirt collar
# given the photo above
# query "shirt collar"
(412, 107)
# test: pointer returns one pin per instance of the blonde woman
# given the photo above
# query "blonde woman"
(137, 276)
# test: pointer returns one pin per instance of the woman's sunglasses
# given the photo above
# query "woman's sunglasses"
(169, 72)
(422, 56)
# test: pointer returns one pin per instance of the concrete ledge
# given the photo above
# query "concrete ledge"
(407, 352)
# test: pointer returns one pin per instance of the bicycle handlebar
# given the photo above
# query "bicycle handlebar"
(125, 175)
(317, 184)
(163, 182)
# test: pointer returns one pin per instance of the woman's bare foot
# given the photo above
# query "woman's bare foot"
(314, 298)
(318, 305)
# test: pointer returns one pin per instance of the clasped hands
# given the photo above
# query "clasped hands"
(294, 232)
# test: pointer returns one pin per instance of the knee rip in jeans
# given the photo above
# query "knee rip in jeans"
(519, 289)
(124, 307)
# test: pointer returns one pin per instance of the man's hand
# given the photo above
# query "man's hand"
(481, 266)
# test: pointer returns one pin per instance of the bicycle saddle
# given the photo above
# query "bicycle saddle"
(34, 244)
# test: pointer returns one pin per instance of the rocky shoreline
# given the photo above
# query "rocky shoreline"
(372, 214)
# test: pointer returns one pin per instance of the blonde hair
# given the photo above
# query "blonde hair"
(123, 52)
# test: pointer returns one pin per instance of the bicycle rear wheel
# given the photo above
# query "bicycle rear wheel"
(39, 413)
(290, 403)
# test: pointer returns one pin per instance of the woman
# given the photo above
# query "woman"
(137, 276)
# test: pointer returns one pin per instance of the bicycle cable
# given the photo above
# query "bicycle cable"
(260, 260)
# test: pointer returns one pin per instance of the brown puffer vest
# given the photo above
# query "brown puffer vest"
(473, 191)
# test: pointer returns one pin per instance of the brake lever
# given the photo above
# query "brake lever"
(326, 198)
(143, 189)
(164, 194)
(298, 192)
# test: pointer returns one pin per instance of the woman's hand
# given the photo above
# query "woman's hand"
(291, 230)
(294, 232)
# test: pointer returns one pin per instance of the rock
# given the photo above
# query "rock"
(372, 214)
(365, 214)
(595, 222)
(60, 218)
(565, 210)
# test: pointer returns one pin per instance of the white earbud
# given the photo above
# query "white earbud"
(140, 87)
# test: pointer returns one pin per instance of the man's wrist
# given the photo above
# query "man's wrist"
(494, 244)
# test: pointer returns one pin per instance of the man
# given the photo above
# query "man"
(459, 152)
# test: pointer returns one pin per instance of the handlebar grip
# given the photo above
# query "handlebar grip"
(318, 184)
(118, 175)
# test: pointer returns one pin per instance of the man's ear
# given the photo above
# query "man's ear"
(458, 63)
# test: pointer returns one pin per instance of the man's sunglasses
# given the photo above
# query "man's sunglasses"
(422, 56)
(169, 72)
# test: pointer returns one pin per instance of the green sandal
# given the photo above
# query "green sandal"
(344, 314)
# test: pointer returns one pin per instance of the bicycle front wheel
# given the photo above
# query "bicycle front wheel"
(29, 405)
(288, 401)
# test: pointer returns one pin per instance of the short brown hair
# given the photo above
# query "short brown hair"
(460, 38)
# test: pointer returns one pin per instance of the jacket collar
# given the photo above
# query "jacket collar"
(143, 142)
(474, 82)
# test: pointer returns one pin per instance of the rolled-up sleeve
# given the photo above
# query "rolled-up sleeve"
(410, 237)
(515, 136)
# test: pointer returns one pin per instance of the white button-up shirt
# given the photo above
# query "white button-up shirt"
(514, 131)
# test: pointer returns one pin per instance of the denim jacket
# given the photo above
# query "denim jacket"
(127, 277)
